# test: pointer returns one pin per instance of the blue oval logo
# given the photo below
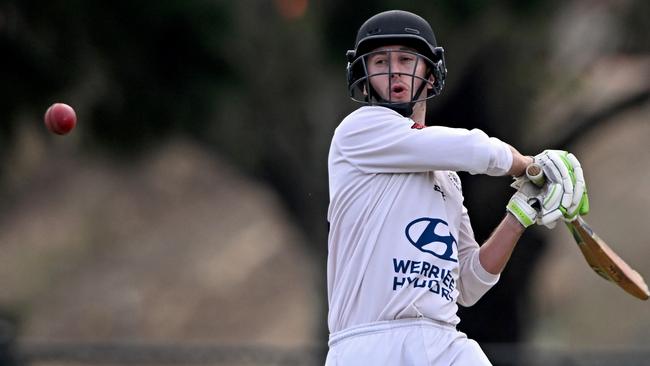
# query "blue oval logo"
(432, 236)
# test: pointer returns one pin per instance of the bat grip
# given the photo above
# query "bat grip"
(535, 173)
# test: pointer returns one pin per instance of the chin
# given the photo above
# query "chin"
(400, 100)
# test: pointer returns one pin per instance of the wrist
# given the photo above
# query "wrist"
(525, 161)
(519, 163)
(511, 221)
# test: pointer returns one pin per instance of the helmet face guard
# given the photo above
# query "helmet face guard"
(362, 91)
(395, 27)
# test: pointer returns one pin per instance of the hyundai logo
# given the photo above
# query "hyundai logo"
(432, 236)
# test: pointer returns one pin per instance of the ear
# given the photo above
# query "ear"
(430, 81)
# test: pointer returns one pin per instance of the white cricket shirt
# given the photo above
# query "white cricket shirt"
(400, 243)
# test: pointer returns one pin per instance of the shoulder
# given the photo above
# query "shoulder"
(369, 118)
(371, 114)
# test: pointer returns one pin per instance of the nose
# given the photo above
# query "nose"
(395, 64)
(397, 72)
(397, 68)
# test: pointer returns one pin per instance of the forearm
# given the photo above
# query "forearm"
(495, 252)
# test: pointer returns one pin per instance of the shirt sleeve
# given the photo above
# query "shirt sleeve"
(378, 140)
(473, 280)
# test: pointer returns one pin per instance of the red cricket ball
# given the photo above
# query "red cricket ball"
(60, 118)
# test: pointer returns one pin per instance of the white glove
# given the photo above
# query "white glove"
(521, 203)
(532, 204)
(550, 208)
(561, 167)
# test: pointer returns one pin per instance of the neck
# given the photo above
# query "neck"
(419, 112)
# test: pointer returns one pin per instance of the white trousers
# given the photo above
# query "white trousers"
(404, 342)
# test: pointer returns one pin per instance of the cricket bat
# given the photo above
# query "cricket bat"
(600, 257)
(604, 261)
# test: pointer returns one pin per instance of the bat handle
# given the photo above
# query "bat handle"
(535, 173)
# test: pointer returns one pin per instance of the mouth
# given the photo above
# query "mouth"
(398, 91)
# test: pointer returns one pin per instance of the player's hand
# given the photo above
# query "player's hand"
(534, 204)
(550, 204)
(563, 168)
(521, 204)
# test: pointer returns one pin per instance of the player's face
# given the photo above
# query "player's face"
(391, 70)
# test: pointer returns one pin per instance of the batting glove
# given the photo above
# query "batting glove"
(563, 168)
(550, 204)
(522, 202)
(533, 204)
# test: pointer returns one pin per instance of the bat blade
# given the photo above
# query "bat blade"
(605, 262)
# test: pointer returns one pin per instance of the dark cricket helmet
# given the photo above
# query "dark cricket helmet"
(393, 27)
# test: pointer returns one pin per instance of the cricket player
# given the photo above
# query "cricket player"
(402, 253)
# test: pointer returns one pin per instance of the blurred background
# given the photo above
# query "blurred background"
(183, 221)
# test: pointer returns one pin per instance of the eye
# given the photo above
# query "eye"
(379, 61)
(407, 58)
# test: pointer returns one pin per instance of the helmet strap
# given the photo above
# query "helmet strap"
(404, 109)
